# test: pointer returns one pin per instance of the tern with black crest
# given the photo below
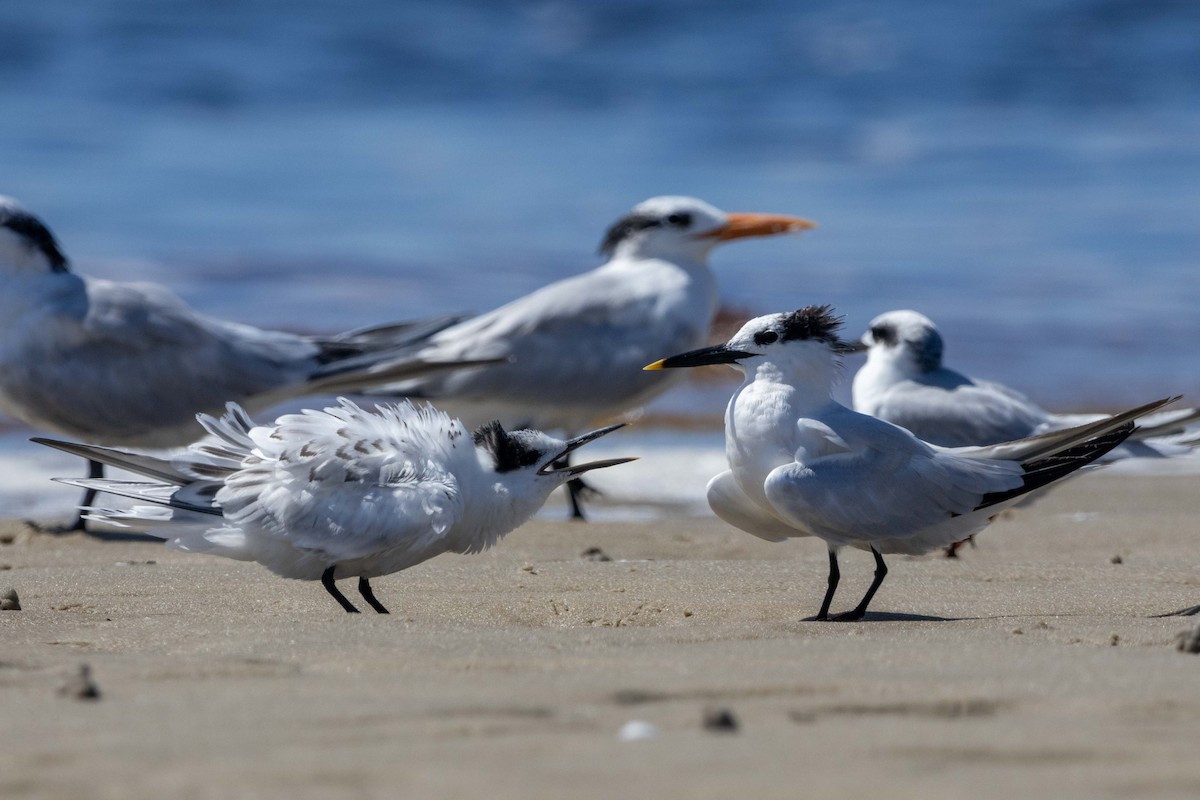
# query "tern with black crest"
(343, 492)
(801, 464)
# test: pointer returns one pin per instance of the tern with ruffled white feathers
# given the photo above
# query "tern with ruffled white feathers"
(340, 493)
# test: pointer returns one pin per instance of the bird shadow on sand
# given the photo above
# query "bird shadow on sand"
(891, 616)
(1191, 611)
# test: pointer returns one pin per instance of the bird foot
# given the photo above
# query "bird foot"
(952, 551)
(848, 616)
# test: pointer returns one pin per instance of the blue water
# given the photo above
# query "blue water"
(1026, 173)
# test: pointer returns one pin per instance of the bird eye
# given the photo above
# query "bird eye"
(680, 220)
(766, 337)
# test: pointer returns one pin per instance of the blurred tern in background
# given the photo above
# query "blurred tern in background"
(341, 493)
(130, 364)
(800, 464)
(576, 347)
(905, 382)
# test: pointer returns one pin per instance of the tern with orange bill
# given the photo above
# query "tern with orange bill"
(574, 349)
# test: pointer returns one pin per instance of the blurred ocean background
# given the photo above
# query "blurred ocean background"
(1025, 173)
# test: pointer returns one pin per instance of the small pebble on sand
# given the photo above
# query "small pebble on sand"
(80, 685)
(595, 554)
(1189, 641)
(9, 600)
(720, 720)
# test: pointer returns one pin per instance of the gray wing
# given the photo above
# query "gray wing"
(861, 480)
(123, 362)
(582, 341)
(960, 413)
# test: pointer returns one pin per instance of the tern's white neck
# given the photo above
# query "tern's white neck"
(687, 254)
(498, 504)
(760, 421)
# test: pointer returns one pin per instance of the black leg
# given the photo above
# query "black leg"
(951, 550)
(576, 490)
(95, 470)
(327, 582)
(364, 588)
(834, 576)
(861, 609)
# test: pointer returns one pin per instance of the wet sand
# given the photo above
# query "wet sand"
(1029, 667)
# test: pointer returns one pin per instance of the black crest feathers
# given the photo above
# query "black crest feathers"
(812, 322)
(626, 226)
(508, 452)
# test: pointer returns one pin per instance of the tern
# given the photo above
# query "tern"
(575, 348)
(905, 382)
(130, 365)
(801, 464)
(343, 492)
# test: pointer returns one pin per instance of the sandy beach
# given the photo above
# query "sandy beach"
(1029, 667)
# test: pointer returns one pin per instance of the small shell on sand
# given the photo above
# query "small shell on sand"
(637, 730)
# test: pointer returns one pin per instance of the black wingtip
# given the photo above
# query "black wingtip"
(1047, 470)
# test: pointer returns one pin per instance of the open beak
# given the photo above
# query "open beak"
(739, 226)
(575, 444)
(718, 354)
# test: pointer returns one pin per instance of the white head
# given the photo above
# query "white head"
(684, 228)
(526, 465)
(906, 340)
(26, 244)
(802, 345)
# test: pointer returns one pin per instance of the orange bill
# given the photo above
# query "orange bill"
(740, 226)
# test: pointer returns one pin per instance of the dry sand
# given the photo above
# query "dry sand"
(1030, 667)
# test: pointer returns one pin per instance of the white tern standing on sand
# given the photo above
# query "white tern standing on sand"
(130, 365)
(575, 348)
(342, 493)
(800, 464)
